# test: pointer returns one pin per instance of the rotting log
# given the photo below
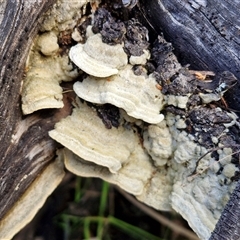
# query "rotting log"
(205, 34)
(205, 37)
(26, 148)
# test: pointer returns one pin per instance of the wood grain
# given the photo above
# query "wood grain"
(204, 36)
(19, 21)
(228, 227)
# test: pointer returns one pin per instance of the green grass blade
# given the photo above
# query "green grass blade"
(102, 208)
(132, 230)
(78, 192)
(129, 229)
(86, 228)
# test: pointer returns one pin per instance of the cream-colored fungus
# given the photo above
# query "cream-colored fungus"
(137, 95)
(97, 58)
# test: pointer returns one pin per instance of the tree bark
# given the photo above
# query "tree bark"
(228, 226)
(25, 146)
(204, 33)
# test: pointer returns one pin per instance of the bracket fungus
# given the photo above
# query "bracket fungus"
(131, 181)
(84, 133)
(202, 193)
(41, 89)
(98, 58)
(138, 177)
(162, 159)
(46, 67)
(137, 95)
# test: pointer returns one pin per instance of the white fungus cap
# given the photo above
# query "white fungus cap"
(97, 58)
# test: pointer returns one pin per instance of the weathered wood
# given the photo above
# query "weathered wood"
(25, 145)
(205, 34)
(205, 37)
(228, 227)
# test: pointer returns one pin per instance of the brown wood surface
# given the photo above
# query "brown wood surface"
(19, 136)
(207, 38)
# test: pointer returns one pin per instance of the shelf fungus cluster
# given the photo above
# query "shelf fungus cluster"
(140, 120)
(97, 58)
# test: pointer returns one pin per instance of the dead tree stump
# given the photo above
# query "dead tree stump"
(19, 136)
(204, 36)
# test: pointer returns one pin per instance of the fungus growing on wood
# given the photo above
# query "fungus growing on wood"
(48, 43)
(97, 58)
(138, 177)
(41, 89)
(158, 142)
(84, 133)
(137, 95)
(163, 163)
